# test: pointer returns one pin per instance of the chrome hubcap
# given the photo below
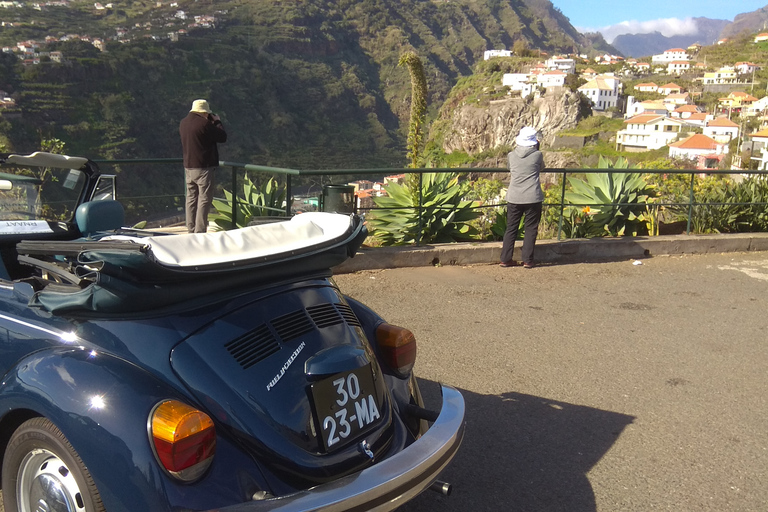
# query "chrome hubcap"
(46, 484)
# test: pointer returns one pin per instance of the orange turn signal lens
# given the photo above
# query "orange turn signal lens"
(397, 347)
(184, 439)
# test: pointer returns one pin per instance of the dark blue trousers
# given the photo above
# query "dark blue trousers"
(515, 212)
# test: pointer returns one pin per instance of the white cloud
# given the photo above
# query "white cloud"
(667, 26)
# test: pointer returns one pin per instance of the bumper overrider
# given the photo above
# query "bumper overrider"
(387, 484)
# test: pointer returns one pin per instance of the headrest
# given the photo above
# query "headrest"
(95, 216)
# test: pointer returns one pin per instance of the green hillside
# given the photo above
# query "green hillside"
(308, 84)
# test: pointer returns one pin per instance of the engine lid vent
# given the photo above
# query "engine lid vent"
(324, 315)
(292, 325)
(253, 347)
(348, 315)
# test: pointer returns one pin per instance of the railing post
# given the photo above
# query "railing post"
(235, 202)
(418, 238)
(288, 195)
(562, 208)
(690, 207)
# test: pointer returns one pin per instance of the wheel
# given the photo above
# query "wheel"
(41, 471)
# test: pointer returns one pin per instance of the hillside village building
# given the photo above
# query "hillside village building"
(707, 152)
(489, 54)
(678, 98)
(736, 100)
(674, 54)
(745, 68)
(670, 88)
(648, 131)
(722, 129)
(635, 108)
(554, 78)
(722, 76)
(567, 65)
(603, 91)
(647, 87)
(685, 111)
(677, 67)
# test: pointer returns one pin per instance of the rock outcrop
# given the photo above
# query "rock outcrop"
(476, 129)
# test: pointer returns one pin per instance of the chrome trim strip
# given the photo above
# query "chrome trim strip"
(385, 485)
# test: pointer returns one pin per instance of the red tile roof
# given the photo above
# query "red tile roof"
(697, 141)
(723, 122)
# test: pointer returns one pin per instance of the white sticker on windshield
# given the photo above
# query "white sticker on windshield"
(24, 227)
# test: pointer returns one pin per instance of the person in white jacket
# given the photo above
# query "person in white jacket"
(524, 197)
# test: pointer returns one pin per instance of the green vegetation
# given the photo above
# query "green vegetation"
(266, 200)
(445, 216)
(608, 204)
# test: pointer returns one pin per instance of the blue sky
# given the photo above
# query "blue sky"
(614, 17)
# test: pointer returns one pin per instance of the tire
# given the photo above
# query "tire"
(41, 471)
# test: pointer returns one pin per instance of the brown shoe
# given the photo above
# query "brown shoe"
(506, 264)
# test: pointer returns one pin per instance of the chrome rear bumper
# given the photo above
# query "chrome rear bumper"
(387, 484)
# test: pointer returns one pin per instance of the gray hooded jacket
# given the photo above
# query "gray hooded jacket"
(525, 164)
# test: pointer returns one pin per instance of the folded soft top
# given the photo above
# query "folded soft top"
(200, 250)
(129, 272)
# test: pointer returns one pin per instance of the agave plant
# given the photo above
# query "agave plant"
(614, 204)
(266, 200)
(445, 215)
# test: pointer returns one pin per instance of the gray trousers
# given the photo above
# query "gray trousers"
(199, 198)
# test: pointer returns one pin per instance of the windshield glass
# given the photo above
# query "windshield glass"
(39, 193)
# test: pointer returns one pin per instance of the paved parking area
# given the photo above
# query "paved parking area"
(594, 387)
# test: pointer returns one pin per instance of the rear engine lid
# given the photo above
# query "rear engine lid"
(294, 378)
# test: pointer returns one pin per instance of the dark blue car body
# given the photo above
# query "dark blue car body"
(96, 331)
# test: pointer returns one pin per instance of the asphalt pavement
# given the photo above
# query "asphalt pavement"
(630, 385)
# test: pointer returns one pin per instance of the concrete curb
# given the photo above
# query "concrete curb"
(553, 251)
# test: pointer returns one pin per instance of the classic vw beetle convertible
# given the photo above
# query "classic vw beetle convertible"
(222, 371)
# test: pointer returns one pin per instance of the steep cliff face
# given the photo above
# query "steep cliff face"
(476, 129)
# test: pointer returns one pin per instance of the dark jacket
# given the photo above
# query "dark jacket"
(525, 164)
(199, 135)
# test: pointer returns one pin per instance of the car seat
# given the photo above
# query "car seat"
(95, 216)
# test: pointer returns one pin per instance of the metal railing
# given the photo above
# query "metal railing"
(238, 170)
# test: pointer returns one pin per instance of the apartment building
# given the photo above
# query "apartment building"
(648, 131)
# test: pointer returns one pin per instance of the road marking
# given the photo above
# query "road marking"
(753, 269)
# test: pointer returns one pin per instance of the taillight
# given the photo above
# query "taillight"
(184, 439)
(397, 347)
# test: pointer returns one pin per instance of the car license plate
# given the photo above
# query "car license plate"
(345, 406)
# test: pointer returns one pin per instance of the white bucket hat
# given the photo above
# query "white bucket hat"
(200, 106)
(527, 137)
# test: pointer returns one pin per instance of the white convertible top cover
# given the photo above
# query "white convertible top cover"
(198, 249)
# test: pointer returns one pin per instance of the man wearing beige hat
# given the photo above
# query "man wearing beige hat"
(200, 131)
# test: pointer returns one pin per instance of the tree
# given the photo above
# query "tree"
(418, 104)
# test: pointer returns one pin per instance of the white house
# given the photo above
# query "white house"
(721, 129)
(685, 111)
(678, 98)
(603, 91)
(645, 107)
(648, 131)
(699, 119)
(555, 78)
(674, 54)
(756, 107)
(670, 88)
(745, 68)
(647, 87)
(489, 54)
(677, 67)
(564, 64)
